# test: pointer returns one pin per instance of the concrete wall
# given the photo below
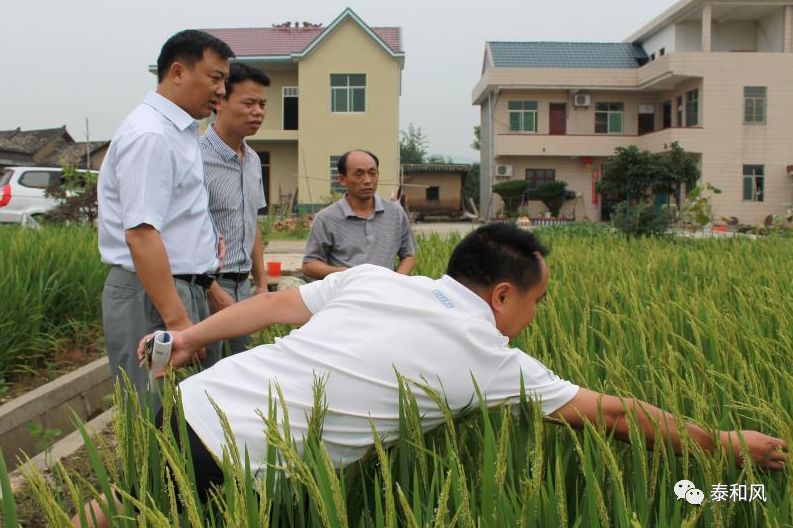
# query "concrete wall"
(688, 36)
(664, 38)
(771, 32)
(450, 191)
(323, 134)
(735, 35)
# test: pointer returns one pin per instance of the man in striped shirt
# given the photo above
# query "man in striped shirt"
(233, 175)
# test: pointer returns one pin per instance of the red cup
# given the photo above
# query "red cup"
(274, 268)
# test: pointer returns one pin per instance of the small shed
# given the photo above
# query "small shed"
(434, 188)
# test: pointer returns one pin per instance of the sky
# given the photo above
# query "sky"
(67, 61)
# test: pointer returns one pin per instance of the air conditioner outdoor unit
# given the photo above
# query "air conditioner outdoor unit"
(504, 170)
(581, 100)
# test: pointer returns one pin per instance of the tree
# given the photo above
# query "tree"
(638, 175)
(471, 187)
(76, 196)
(477, 144)
(412, 145)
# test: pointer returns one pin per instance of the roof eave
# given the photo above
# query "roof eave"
(348, 14)
(674, 13)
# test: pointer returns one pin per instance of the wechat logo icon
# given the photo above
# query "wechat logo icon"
(685, 489)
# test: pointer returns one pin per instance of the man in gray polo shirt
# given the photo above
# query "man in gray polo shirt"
(361, 228)
(233, 175)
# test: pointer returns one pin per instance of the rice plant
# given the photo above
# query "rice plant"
(702, 328)
(51, 289)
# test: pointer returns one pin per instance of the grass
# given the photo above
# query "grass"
(703, 328)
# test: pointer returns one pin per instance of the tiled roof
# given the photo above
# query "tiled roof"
(29, 141)
(567, 55)
(248, 42)
(71, 153)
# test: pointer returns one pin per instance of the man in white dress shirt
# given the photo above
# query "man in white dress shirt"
(154, 224)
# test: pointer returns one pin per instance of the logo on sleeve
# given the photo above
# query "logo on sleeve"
(443, 298)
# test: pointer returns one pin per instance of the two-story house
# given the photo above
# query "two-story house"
(717, 77)
(333, 89)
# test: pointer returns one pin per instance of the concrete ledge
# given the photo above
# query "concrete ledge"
(83, 391)
(62, 448)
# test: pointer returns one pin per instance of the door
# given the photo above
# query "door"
(667, 114)
(558, 119)
(646, 119)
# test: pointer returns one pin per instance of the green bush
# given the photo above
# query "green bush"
(551, 193)
(640, 219)
(512, 193)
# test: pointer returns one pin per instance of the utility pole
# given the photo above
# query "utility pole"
(87, 146)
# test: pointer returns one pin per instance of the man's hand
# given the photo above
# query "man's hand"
(181, 352)
(221, 252)
(766, 451)
(218, 298)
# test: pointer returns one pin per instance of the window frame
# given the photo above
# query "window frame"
(611, 110)
(333, 176)
(535, 177)
(522, 112)
(752, 175)
(756, 102)
(350, 90)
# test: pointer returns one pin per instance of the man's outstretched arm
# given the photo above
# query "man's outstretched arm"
(243, 318)
(658, 425)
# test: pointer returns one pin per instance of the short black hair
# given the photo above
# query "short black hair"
(239, 72)
(341, 165)
(188, 47)
(497, 252)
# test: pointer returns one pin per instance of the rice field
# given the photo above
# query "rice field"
(702, 328)
(50, 294)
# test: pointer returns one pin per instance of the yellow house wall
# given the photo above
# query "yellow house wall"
(274, 120)
(283, 167)
(323, 134)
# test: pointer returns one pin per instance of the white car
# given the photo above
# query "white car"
(22, 192)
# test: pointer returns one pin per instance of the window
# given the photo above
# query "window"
(523, 116)
(652, 56)
(608, 118)
(335, 186)
(39, 179)
(692, 108)
(290, 100)
(535, 177)
(679, 101)
(754, 101)
(433, 193)
(662, 52)
(347, 92)
(753, 183)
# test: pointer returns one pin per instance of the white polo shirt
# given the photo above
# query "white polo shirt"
(368, 322)
(153, 174)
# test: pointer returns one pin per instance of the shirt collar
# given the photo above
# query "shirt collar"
(176, 115)
(220, 146)
(379, 206)
(470, 301)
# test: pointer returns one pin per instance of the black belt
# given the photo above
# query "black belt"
(236, 277)
(205, 280)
